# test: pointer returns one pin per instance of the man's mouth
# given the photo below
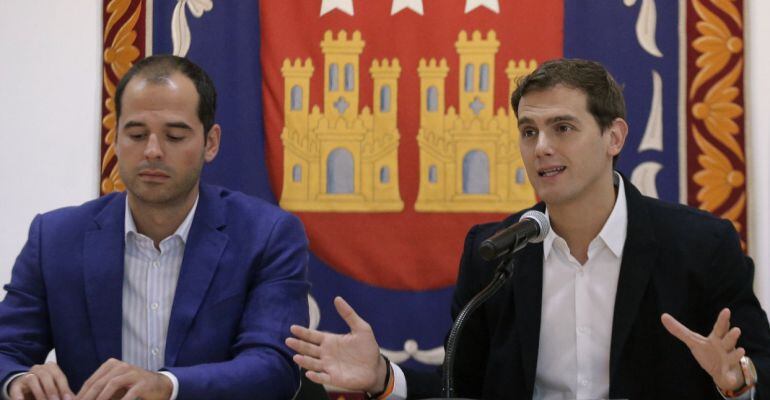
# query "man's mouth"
(153, 174)
(546, 172)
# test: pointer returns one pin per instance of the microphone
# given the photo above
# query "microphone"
(532, 227)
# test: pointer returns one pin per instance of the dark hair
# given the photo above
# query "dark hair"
(605, 96)
(158, 68)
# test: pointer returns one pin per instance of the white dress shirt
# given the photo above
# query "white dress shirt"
(149, 282)
(573, 360)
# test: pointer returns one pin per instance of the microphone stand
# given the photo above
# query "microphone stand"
(503, 271)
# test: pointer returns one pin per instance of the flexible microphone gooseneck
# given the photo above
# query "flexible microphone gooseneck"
(532, 227)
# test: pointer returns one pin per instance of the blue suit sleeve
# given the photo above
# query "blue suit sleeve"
(261, 366)
(24, 329)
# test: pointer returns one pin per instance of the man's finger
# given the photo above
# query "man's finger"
(60, 379)
(348, 314)
(85, 392)
(307, 335)
(722, 324)
(116, 383)
(303, 347)
(47, 383)
(731, 338)
(17, 390)
(308, 363)
(134, 393)
(680, 331)
(33, 384)
(734, 357)
(96, 387)
(318, 377)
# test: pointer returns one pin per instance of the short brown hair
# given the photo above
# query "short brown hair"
(605, 96)
(156, 68)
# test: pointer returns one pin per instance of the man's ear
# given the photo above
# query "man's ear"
(617, 131)
(213, 137)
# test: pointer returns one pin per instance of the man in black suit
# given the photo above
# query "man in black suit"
(609, 305)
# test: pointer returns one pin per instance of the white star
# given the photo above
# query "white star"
(414, 5)
(345, 6)
(471, 5)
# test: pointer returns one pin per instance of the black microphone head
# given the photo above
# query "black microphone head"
(542, 222)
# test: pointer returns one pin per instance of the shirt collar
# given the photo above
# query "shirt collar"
(182, 231)
(613, 233)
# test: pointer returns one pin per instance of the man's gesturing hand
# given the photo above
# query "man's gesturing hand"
(42, 382)
(116, 379)
(351, 361)
(716, 353)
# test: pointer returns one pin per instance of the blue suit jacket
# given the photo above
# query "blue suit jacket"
(242, 284)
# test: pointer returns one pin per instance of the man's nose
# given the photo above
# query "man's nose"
(544, 145)
(153, 149)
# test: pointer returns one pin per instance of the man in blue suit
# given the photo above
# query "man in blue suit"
(172, 290)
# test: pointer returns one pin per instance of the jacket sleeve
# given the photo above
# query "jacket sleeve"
(472, 352)
(25, 337)
(261, 366)
(732, 287)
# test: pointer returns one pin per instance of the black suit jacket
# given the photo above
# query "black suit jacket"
(676, 259)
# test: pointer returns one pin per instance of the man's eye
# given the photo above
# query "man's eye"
(528, 132)
(137, 136)
(174, 138)
(565, 128)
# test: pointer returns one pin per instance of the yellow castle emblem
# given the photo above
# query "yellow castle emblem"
(470, 161)
(341, 159)
(346, 160)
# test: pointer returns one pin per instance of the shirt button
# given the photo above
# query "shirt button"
(154, 352)
(155, 264)
(154, 306)
(583, 330)
(584, 382)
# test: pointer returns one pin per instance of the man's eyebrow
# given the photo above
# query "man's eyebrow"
(561, 118)
(133, 124)
(180, 125)
(525, 120)
(549, 121)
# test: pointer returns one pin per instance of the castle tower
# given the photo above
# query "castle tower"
(520, 187)
(341, 74)
(384, 158)
(432, 94)
(296, 93)
(385, 95)
(477, 74)
(514, 72)
(296, 163)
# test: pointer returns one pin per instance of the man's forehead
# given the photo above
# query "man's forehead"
(554, 98)
(173, 80)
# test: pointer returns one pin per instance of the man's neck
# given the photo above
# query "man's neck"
(160, 221)
(581, 221)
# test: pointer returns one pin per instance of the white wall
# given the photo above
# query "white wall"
(758, 141)
(50, 91)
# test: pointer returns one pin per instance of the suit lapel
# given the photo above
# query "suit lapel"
(528, 298)
(639, 254)
(103, 259)
(203, 250)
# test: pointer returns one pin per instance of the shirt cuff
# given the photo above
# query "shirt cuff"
(399, 385)
(7, 384)
(746, 396)
(174, 383)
